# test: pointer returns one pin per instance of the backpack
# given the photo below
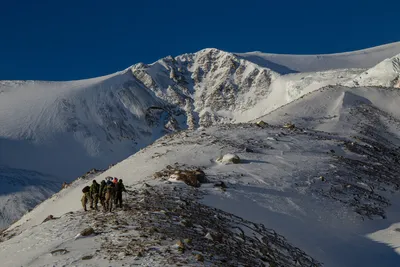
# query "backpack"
(86, 189)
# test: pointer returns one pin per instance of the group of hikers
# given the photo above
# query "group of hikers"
(108, 191)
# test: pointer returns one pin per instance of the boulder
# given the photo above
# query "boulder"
(229, 158)
(261, 123)
(87, 231)
(201, 176)
(190, 177)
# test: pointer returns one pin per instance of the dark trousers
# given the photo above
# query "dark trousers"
(118, 199)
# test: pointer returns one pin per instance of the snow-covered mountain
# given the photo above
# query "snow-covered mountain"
(326, 194)
(285, 64)
(59, 130)
(22, 190)
(100, 121)
(385, 74)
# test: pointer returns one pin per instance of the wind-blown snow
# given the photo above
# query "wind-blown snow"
(284, 64)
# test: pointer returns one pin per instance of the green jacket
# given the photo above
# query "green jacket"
(119, 187)
(102, 188)
(94, 189)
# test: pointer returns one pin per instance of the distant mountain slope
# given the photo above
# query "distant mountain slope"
(344, 109)
(284, 64)
(287, 88)
(66, 128)
(22, 190)
(386, 74)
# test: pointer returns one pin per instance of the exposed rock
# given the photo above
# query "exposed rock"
(58, 252)
(261, 124)
(87, 231)
(190, 177)
(166, 207)
(88, 257)
(50, 217)
(221, 184)
(249, 150)
(187, 177)
(199, 257)
(65, 185)
(289, 126)
(186, 223)
(201, 176)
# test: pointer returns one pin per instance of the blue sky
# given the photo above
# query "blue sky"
(64, 40)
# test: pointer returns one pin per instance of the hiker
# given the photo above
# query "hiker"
(119, 188)
(115, 181)
(109, 180)
(102, 192)
(94, 195)
(86, 197)
(109, 197)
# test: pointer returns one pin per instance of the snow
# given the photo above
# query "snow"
(278, 186)
(328, 185)
(329, 108)
(288, 88)
(99, 121)
(386, 74)
(284, 64)
(21, 191)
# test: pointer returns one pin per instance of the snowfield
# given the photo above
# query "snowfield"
(315, 185)
(366, 58)
(277, 183)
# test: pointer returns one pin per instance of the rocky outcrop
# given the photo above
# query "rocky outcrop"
(193, 177)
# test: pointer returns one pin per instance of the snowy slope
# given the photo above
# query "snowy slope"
(334, 219)
(288, 88)
(100, 121)
(284, 64)
(21, 191)
(342, 109)
(63, 129)
(66, 128)
(385, 74)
